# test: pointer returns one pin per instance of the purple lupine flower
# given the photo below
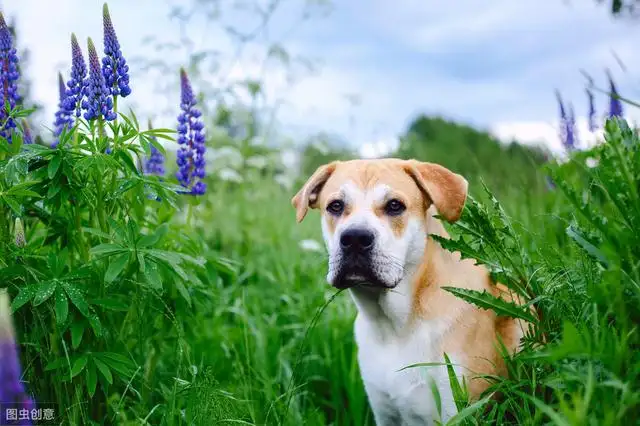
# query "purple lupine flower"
(572, 130)
(615, 105)
(567, 125)
(154, 165)
(114, 66)
(9, 76)
(27, 137)
(190, 157)
(98, 102)
(64, 117)
(73, 99)
(12, 391)
(592, 108)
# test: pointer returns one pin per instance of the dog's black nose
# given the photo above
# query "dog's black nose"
(356, 240)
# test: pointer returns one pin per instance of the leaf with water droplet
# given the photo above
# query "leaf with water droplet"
(44, 291)
(62, 306)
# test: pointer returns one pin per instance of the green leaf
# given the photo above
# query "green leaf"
(150, 240)
(152, 275)
(77, 299)
(116, 266)
(97, 233)
(467, 412)
(79, 365)
(95, 323)
(54, 165)
(53, 191)
(16, 170)
(13, 204)
(92, 379)
(111, 304)
(128, 161)
(23, 193)
(23, 297)
(459, 394)
(183, 292)
(116, 362)
(62, 306)
(104, 250)
(44, 291)
(55, 364)
(486, 300)
(585, 245)
(77, 330)
(141, 262)
(104, 370)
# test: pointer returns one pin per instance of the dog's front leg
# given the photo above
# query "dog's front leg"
(384, 411)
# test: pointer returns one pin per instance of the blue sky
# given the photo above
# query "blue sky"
(492, 64)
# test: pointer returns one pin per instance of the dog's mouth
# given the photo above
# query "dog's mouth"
(349, 277)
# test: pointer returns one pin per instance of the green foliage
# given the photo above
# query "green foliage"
(102, 270)
(579, 364)
(472, 153)
(135, 304)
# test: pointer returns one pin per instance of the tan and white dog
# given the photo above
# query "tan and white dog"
(377, 216)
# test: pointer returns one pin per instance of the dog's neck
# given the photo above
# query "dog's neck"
(393, 311)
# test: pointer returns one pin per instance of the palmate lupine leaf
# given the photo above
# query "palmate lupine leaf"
(485, 300)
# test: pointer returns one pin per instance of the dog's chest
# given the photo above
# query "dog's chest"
(407, 395)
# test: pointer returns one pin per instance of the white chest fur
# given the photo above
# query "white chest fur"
(404, 397)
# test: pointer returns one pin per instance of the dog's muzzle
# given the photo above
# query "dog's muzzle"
(356, 265)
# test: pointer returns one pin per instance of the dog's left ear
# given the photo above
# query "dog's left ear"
(308, 194)
(446, 189)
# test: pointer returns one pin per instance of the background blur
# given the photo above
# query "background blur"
(354, 73)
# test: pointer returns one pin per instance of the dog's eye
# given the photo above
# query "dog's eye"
(394, 207)
(336, 207)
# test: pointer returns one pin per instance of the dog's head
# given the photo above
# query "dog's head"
(374, 215)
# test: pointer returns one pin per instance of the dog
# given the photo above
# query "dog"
(377, 218)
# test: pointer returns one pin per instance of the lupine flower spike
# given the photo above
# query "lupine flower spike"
(190, 157)
(98, 102)
(154, 165)
(12, 392)
(592, 108)
(615, 105)
(572, 131)
(64, 117)
(74, 96)
(114, 66)
(567, 133)
(18, 233)
(9, 75)
(27, 136)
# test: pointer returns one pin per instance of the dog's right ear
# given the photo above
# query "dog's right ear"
(308, 194)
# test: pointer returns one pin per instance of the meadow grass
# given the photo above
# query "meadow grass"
(237, 324)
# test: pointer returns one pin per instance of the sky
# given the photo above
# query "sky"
(377, 64)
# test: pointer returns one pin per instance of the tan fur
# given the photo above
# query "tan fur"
(428, 189)
(476, 329)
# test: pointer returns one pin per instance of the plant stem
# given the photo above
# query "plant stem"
(101, 217)
(4, 233)
(189, 214)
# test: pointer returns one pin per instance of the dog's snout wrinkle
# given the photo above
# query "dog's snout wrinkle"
(357, 240)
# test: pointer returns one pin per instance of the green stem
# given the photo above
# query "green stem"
(115, 121)
(4, 232)
(101, 216)
(189, 214)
